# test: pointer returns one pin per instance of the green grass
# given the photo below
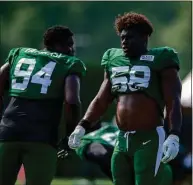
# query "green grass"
(98, 182)
(72, 182)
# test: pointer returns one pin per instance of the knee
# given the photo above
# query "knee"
(144, 179)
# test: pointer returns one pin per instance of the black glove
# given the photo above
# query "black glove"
(63, 148)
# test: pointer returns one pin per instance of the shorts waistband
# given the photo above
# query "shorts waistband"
(128, 133)
(133, 132)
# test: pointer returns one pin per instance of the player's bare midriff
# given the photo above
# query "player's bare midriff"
(137, 112)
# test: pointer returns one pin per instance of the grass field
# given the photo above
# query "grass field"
(188, 181)
(79, 182)
(75, 182)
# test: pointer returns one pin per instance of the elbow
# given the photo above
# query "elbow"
(73, 101)
(101, 103)
(174, 107)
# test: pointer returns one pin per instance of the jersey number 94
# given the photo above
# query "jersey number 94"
(41, 77)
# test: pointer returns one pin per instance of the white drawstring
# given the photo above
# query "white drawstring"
(128, 132)
(126, 135)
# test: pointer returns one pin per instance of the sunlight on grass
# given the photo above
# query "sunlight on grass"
(75, 182)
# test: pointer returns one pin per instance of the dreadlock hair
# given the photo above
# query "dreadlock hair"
(133, 20)
(56, 35)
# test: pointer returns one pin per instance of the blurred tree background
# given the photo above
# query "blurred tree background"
(23, 24)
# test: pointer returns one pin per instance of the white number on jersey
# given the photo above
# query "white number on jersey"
(110, 138)
(41, 77)
(138, 81)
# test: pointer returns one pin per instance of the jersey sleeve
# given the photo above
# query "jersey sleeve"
(169, 59)
(105, 60)
(81, 150)
(11, 54)
(9, 57)
(77, 67)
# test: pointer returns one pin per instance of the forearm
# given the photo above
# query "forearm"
(95, 110)
(175, 117)
(171, 86)
(99, 105)
(72, 116)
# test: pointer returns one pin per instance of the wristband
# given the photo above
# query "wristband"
(175, 132)
(85, 124)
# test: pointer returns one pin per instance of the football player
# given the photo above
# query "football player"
(40, 81)
(143, 81)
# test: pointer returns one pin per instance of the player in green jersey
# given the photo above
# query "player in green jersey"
(142, 81)
(40, 81)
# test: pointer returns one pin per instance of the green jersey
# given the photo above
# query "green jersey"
(106, 135)
(36, 92)
(40, 74)
(140, 74)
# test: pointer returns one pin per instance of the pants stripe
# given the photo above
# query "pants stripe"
(161, 135)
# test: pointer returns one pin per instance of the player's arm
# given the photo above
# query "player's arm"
(72, 102)
(171, 88)
(72, 111)
(96, 109)
(4, 76)
(99, 104)
(104, 97)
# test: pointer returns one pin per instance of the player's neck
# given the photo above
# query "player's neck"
(137, 54)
